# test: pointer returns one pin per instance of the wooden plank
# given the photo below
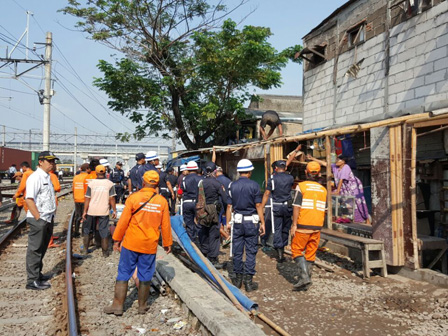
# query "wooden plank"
(346, 236)
(399, 186)
(436, 259)
(365, 263)
(328, 175)
(375, 264)
(342, 241)
(433, 131)
(430, 123)
(414, 196)
(393, 183)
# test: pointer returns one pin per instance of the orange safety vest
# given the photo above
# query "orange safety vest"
(90, 177)
(21, 190)
(79, 187)
(312, 210)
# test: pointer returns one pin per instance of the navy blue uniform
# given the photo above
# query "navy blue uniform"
(280, 185)
(136, 178)
(189, 196)
(245, 194)
(225, 181)
(117, 177)
(209, 236)
(142, 169)
(163, 187)
(172, 203)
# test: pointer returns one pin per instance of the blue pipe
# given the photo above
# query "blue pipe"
(185, 242)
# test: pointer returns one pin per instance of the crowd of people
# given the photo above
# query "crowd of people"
(217, 212)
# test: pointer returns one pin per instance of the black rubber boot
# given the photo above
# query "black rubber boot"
(280, 257)
(105, 246)
(85, 244)
(97, 239)
(143, 294)
(304, 278)
(237, 281)
(249, 285)
(309, 265)
(215, 262)
(121, 289)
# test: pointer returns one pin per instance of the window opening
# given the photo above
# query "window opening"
(315, 55)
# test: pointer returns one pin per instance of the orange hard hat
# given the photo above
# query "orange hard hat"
(151, 176)
(313, 168)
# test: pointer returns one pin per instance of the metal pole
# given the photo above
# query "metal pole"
(47, 92)
(76, 151)
(28, 13)
(4, 136)
(116, 152)
(29, 146)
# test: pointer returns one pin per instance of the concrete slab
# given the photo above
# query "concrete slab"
(217, 314)
(425, 274)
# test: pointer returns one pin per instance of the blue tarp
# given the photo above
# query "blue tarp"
(177, 162)
(185, 242)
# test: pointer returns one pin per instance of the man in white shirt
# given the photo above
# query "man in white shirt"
(41, 202)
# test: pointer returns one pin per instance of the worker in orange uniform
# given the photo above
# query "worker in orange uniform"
(309, 208)
(145, 213)
(19, 196)
(79, 189)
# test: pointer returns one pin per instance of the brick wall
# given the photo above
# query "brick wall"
(418, 65)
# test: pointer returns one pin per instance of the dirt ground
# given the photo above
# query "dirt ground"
(28, 312)
(94, 283)
(342, 303)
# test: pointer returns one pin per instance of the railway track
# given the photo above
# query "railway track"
(81, 287)
(27, 312)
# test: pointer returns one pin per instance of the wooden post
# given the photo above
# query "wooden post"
(267, 163)
(414, 196)
(396, 194)
(329, 200)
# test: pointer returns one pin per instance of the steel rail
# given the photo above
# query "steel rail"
(71, 307)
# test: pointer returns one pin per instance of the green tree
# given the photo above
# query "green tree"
(182, 72)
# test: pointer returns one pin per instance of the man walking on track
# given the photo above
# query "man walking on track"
(41, 202)
(138, 231)
(79, 191)
(100, 198)
(308, 219)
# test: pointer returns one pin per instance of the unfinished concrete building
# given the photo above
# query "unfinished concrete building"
(383, 65)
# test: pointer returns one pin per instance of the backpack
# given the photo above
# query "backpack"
(200, 204)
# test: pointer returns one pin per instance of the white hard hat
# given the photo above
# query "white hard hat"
(104, 162)
(159, 166)
(183, 167)
(244, 165)
(192, 165)
(151, 155)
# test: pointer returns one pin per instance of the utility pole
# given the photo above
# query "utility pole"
(29, 140)
(4, 136)
(47, 91)
(76, 151)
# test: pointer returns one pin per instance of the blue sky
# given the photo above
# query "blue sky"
(75, 60)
